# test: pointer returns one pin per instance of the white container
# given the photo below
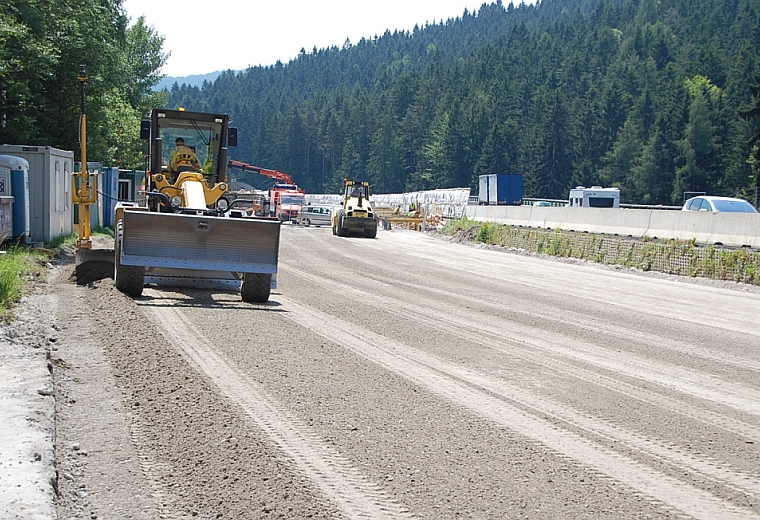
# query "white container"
(50, 206)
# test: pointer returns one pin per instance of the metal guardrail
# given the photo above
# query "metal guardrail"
(650, 206)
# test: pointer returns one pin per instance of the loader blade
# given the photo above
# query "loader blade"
(92, 265)
(199, 251)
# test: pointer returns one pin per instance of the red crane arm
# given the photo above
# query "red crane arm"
(272, 174)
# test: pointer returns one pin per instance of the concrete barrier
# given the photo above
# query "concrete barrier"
(728, 229)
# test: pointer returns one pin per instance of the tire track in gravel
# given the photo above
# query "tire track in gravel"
(668, 376)
(516, 268)
(463, 388)
(353, 494)
(711, 469)
(735, 395)
(582, 321)
(574, 319)
(151, 468)
(514, 341)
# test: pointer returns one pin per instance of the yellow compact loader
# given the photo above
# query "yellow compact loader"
(184, 232)
(186, 235)
(356, 215)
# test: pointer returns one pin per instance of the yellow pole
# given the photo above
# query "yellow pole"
(83, 194)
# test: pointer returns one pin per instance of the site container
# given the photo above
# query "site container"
(503, 189)
(50, 204)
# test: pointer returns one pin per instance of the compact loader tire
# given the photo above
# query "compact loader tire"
(371, 232)
(256, 287)
(342, 230)
(128, 279)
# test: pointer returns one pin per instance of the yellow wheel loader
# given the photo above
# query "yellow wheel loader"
(356, 215)
(185, 234)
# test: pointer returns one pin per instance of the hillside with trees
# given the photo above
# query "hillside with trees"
(645, 95)
(657, 97)
(43, 44)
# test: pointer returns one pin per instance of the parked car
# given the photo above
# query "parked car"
(718, 205)
(542, 203)
(315, 215)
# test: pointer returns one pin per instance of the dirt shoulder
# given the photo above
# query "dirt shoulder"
(65, 430)
(27, 459)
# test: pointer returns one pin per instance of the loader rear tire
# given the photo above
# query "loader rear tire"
(256, 287)
(128, 279)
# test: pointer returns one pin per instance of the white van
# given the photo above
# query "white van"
(594, 197)
(315, 215)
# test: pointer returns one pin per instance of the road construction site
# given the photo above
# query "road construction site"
(408, 376)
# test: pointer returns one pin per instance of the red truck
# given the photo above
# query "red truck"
(285, 197)
(286, 201)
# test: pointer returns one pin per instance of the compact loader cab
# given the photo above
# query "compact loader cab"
(356, 215)
(201, 142)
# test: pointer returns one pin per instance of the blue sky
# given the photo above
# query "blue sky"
(234, 34)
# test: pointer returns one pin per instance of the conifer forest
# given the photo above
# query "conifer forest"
(656, 97)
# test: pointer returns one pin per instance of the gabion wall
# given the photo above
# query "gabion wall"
(671, 256)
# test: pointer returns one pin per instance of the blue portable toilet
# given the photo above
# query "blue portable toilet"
(17, 186)
(110, 195)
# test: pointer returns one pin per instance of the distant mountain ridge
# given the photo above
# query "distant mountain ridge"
(196, 80)
(643, 95)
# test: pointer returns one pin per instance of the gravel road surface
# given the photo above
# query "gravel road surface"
(408, 376)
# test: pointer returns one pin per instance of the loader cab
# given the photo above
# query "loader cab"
(208, 135)
(356, 190)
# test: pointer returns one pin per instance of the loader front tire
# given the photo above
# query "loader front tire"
(256, 287)
(128, 279)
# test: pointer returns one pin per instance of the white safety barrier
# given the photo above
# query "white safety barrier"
(728, 229)
(449, 203)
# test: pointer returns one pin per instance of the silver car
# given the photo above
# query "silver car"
(718, 205)
(315, 215)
